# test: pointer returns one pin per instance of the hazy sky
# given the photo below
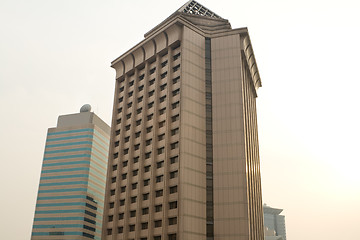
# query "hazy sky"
(55, 56)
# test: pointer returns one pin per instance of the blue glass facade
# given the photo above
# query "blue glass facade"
(72, 184)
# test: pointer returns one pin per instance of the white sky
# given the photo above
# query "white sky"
(55, 56)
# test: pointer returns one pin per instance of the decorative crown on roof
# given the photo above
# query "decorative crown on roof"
(193, 7)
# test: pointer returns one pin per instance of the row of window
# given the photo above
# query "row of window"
(132, 228)
(158, 193)
(146, 182)
(144, 225)
(144, 211)
(160, 164)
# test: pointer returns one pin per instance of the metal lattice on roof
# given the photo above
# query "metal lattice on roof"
(193, 7)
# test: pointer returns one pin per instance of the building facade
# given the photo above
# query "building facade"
(72, 184)
(274, 223)
(184, 157)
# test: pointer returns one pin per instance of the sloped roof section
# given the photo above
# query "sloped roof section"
(195, 8)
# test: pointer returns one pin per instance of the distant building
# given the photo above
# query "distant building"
(72, 184)
(184, 156)
(274, 224)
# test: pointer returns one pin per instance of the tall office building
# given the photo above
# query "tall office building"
(184, 158)
(72, 183)
(274, 223)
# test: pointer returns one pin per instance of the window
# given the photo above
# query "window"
(129, 105)
(151, 93)
(141, 77)
(152, 70)
(175, 105)
(118, 121)
(174, 131)
(146, 196)
(175, 80)
(112, 192)
(173, 174)
(173, 189)
(173, 205)
(162, 99)
(144, 225)
(121, 99)
(150, 105)
(117, 132)
(147, 168)
(126, 139)
(134, 186)
(148, 129)
(137, 134)
(163, 75)
(176, 68)
(141, 88)
(157, 237)
(174, 145)
(176, 92)
(162, 111)
(136, 159)
(135, 172)
(174, 159)
(144, 238)
(162, 87)
(111, 205)
(161, 137)
(140, 99)
(175, 118)
(132, 228)
(158, 208)
(161, 150)
(109, 231)
(131, 83)
(123, 189)
(130, 93)
(113, 179)
(161, 124)
(128, 116)
(150, 116)
(122, 202)
(146, 182)
(121, 89)
(138, 122)
(133, 199)
(119, 110)
(121, 216)
(133, 213)
(123, 176)
(176, 56)
(159, 193)
(137, 146)
(151, 82)
(120, 229)
(160, 164)
(138, 111)
(173, 221)
(127, 127)
(157, 224)
(126, 151)
(145, 211)
(148, 142)
(114, 167)
(147, 155)
(163, 64)
(160, 178)
(117, 143)
(116, 155)
(110, 218)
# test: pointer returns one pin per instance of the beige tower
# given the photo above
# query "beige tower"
(184, 155)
